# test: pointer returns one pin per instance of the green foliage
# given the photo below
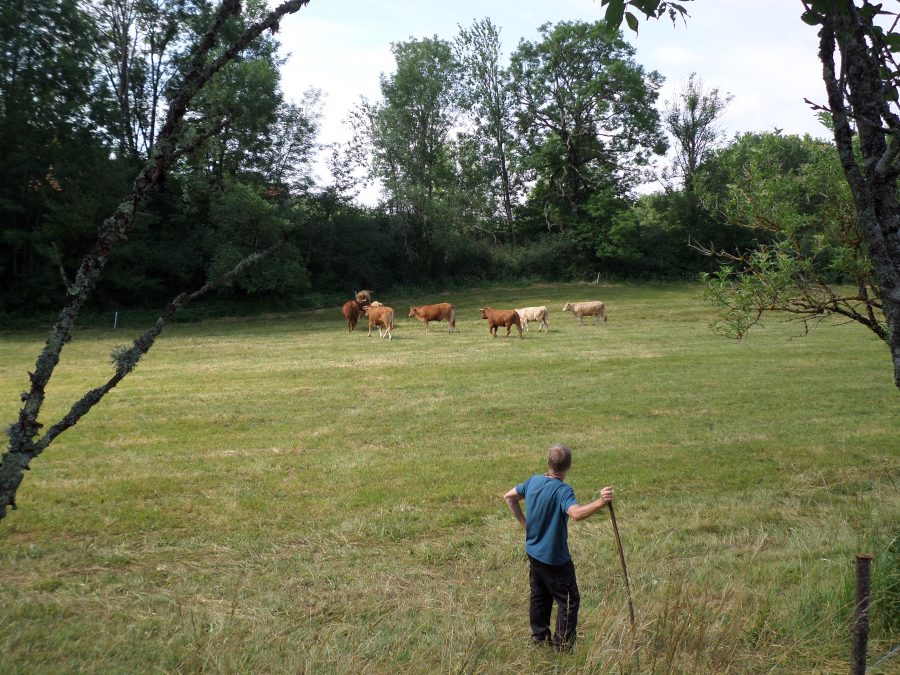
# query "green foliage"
(651, 9)
(54, 162)
(244, 222)
(549, 257)
(742, 296)
(535, 180)
(411, 149)
(793, 190)
(691, 119)
(73, 145)
(347, 248)
(489, 166)
(585, 113)
(137, 52)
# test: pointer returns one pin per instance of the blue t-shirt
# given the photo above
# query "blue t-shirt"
(546, 521)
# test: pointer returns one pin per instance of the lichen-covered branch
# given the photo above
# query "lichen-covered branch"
(125, 360)
(23, 432)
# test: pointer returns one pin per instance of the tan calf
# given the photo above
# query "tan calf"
(440, 312)
(381, 317)
(594, 308)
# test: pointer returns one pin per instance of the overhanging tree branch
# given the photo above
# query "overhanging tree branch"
(126, 360)
(22, 434)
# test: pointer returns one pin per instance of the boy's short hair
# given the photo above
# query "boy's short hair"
(559, 457)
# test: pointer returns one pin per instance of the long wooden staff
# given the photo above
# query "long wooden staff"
(612, 516)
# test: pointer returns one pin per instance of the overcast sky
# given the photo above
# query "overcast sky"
(757, 50)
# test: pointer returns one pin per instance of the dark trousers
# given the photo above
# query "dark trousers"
(549, 583)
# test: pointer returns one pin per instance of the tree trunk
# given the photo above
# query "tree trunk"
(873, 182)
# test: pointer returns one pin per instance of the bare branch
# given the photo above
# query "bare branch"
(889, 158)
(127, 360)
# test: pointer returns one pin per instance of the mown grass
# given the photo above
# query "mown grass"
(276, 495)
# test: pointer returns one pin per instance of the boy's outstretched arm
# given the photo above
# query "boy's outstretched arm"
(512, 499)
(578, 512)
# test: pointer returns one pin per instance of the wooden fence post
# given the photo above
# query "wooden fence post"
(860, 631)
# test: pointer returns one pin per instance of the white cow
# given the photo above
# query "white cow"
(527, 314)
(593, 308)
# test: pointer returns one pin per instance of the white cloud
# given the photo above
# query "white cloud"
(677, 56)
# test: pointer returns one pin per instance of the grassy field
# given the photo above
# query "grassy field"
(277, 495)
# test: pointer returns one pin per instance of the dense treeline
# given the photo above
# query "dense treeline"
(486, 171)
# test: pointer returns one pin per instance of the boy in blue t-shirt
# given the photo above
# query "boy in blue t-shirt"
(551, 503)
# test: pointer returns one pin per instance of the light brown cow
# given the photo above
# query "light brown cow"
(593, 308)
(365, 297)
(440, 312)
(351, 311)
(527, 314)
(502, 317)
(381, 317)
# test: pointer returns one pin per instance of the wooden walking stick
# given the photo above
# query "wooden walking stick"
(612, 516)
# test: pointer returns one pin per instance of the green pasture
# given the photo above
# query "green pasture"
(273, 494)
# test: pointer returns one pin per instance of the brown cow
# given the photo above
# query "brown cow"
(380, 316)
(502, 317)
(351, 311)
(441, 312)
(364, 297)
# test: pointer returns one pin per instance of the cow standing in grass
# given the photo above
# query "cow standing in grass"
(440, 312)
(594, 308)
(380, 317)
(351, 311)
(527, 314)
(502, 317)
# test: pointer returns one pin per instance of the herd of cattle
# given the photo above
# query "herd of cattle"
(382, 317)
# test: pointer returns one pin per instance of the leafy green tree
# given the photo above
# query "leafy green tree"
(588, 124)
(242, 103)
(26, 438)
(863, 88)
(244, 222)
(489, 99)
(691, 120)
(586, 108)
(409, 134)
(812, 261)
(52, 157)
(250, 150)
(138, 44)
(287, 159)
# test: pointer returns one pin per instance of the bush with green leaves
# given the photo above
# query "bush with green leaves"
(812, 260)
